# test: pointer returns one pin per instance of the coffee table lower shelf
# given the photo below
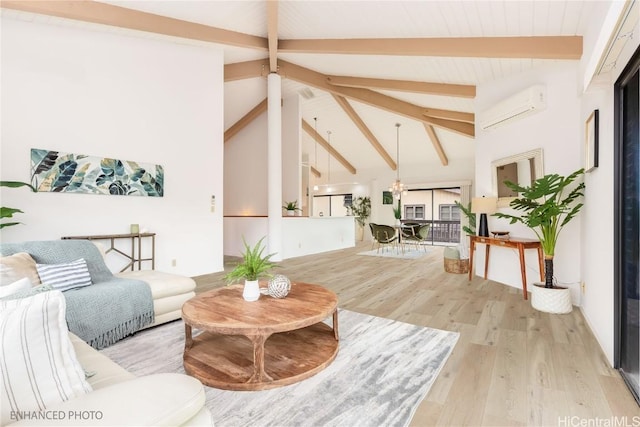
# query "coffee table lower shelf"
(227, 361)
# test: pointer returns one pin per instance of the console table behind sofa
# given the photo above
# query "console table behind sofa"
(134, 257)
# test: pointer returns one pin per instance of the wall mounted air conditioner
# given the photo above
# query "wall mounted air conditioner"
(522, 104)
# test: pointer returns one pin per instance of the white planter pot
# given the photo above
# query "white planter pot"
(251, 290)
(555, 301)
(291, 213)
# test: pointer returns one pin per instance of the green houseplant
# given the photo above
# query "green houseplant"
(397, 212)
(291, 207)
(361, 210)
(6, 212)
(253, 266)
(549, 204)
(471, 218)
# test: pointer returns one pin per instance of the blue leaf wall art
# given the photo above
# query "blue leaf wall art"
(78, 173)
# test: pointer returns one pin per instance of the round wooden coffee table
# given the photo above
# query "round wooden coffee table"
(263, 344)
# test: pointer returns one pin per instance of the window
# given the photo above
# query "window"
(414, 211)
(449, 213)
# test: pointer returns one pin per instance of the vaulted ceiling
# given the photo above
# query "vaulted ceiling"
(360, 66)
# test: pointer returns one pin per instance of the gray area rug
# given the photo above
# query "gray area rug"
(383, 370)
(393, 253)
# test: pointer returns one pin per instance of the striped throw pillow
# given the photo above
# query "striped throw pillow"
(65, 276)
(38, 362)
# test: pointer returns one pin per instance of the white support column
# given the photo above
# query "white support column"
(274, 164)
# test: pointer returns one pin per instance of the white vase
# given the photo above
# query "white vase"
(251, 290)
(554, 301)
(291, 213)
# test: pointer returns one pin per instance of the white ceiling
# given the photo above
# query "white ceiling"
(375, 19)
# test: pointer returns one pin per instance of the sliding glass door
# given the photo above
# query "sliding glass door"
(436, 207)
(627, 227)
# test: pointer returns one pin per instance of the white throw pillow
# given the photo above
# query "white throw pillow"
(17, 286)
(65, 276)
(37, 360)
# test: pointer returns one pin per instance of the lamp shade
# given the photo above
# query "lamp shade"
(484, 204)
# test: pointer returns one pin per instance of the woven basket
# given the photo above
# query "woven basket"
(457, 266)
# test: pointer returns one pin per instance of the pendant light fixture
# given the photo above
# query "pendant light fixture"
(398, 188)
(315, 148)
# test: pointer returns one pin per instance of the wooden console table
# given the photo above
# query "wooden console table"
(515, 243)
(133, 257)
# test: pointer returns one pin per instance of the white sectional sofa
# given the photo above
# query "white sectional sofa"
(52, 377)
(169, 292)
(113, 306)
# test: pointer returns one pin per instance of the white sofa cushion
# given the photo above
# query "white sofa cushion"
(37, 361)
(153, 400)
(104, 372)
(162, 284)
(19, 285)
(168, 304)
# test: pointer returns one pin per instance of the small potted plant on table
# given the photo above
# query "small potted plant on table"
(291, 207)
(546, 210)
(252, 267)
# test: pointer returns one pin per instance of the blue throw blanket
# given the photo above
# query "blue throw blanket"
(104, 312)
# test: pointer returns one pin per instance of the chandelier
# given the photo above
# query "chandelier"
(398, 188)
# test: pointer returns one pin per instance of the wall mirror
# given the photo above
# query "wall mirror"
(523, 168)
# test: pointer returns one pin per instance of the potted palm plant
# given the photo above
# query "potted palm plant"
(547, 206)
(361, 210)
(253, 266)
(6, 212)
(291, 207)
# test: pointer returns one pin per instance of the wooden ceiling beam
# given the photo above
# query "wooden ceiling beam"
(323, 142)
(537, 47)
(444, 89)
(272, 34)
(107, 14)
(246, 70)
(355, 118)
(245, 120)
(369, 97)
(315, 171)
(458, 116)
(436, 144)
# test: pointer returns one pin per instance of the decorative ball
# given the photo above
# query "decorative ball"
(279, 286)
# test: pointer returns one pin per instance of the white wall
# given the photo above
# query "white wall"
(95, 93)
(291, 150)
(300, 235)
(245, 172)
(598, 211)
(558, 131)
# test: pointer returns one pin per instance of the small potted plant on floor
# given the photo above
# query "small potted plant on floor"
(291, 207)
(546, 209)
(456, 260)
(361, 210)
(252, 267)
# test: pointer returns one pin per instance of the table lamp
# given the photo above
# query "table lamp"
(483, 206)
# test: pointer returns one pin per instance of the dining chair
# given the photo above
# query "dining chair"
(384, 235)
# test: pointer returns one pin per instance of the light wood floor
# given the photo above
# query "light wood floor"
(511, 366)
